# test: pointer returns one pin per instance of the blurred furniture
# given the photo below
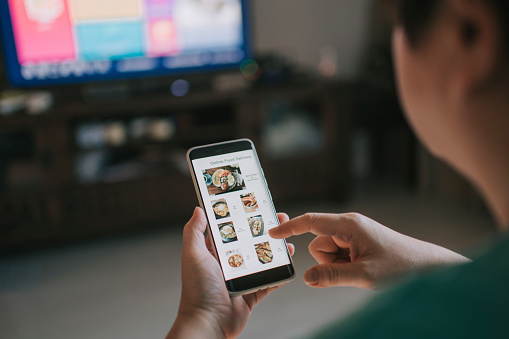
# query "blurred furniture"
(91, 169)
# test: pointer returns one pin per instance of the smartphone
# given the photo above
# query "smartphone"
(232, 189)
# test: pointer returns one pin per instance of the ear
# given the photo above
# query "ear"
(479, 47)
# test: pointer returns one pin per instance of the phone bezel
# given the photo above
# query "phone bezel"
(258, 280)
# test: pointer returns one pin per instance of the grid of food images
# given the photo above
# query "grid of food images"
(239, 219)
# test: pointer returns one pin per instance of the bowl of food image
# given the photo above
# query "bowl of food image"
(235, 260)
(227, 232)
(224, 179)
(249, 201)
(221, 209)
(256, 226)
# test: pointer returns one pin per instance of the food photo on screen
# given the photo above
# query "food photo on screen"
(249, 202)
(220, 208)
(264, 252)
(256, 225)
(227, 231)
(235, 260)
(224, 179)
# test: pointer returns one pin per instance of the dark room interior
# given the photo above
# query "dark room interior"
(94, 184)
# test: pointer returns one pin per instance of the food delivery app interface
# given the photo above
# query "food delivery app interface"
(240, 213)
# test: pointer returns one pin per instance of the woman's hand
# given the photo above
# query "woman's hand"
(206, 309)
(353, 250)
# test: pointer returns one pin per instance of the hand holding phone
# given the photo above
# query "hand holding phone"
(206, 308)
(232, 189)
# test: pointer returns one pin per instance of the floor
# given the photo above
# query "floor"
(130, 287)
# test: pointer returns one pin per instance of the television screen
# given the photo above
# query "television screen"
(53, 42)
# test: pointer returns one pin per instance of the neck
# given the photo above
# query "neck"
(495, 188)
(487, 143)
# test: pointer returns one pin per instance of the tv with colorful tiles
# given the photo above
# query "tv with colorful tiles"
(54, 42)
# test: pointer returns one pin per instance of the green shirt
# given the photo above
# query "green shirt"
(464, 301)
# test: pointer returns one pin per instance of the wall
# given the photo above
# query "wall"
(302, 28)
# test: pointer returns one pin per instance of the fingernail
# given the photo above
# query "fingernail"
(196, 209)
(311, 277)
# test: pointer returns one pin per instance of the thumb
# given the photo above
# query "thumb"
(193, 236)
(330, 275)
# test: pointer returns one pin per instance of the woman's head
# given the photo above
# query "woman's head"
(450, 58)
(416, 15)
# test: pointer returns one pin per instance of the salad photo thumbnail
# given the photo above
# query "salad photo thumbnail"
(264, 252)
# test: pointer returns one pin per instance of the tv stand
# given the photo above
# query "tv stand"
(106, 92)
(47, 199)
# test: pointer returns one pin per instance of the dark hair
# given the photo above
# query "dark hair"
(416, 15)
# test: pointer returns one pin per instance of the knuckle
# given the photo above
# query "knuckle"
(355, 218)
(312, 246)
(330, 276)
(310, 217)
(355, 221)
(187, 227)
(314, 241)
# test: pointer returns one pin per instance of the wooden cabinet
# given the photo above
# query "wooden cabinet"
(301, 134)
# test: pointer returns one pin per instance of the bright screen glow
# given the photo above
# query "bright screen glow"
(240, 213)
(59, 41)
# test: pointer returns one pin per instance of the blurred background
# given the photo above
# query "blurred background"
(100, 101)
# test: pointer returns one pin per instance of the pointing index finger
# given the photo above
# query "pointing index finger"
(316, 223)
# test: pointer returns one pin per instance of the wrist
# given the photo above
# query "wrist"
(195, 325)
(435, 255)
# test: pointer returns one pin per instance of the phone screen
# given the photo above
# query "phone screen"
(240, 213)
